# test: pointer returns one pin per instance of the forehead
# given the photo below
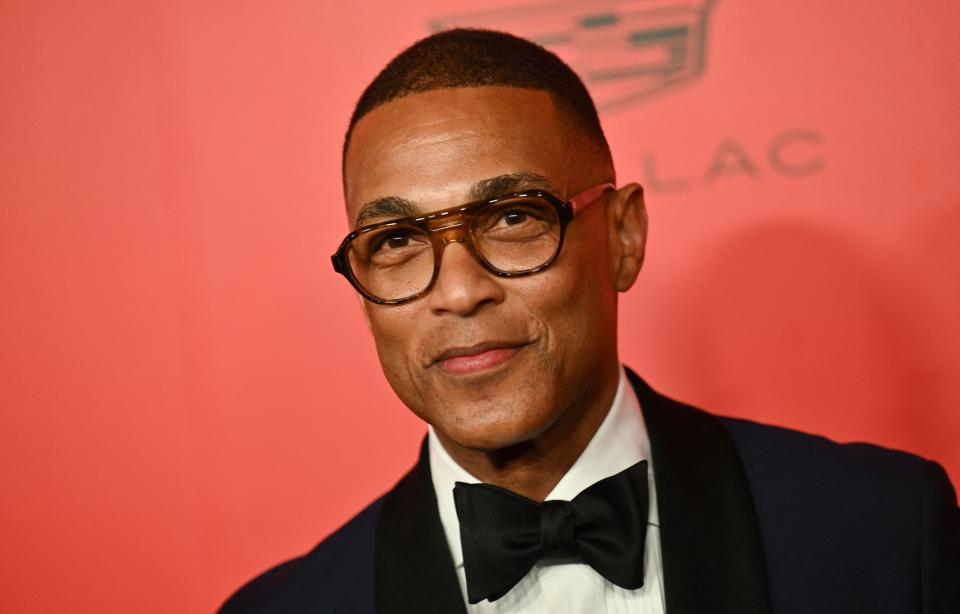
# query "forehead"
(430, 148)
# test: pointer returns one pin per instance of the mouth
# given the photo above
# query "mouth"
(476, 358)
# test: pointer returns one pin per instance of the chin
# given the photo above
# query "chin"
(487, 426)
(490, 410)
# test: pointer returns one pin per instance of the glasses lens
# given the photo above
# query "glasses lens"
(517, 235)
(392, 263)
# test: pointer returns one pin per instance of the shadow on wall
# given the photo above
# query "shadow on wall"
(797, 325)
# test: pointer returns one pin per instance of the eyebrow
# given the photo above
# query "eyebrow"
(385, 208)
(486, 189)
(390, 207)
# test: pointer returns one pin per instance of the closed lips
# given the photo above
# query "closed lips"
(463, 360)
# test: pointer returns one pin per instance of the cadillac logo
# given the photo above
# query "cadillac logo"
(626, 51)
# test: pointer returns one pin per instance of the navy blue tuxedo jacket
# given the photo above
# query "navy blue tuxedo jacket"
(754, 519)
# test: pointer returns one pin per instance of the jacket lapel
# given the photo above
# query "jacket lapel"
(712, 554)
(414, 572)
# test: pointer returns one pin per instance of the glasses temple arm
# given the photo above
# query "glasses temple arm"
(586, 197)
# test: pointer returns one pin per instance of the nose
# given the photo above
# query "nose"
(463, 287)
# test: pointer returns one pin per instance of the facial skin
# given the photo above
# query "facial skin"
(541, 365)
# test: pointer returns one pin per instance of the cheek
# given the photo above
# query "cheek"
(578, 298)
(395, 335)
(590, 256)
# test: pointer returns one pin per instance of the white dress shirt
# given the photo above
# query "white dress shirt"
(574, 588)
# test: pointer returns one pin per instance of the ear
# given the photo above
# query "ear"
(627, 224)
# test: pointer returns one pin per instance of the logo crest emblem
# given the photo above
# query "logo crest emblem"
(626, 51)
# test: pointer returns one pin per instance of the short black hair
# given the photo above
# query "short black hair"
(466, 57)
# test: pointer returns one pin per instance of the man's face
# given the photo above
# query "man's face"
(489, 362)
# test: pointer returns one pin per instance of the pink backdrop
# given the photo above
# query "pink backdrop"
(188, 394)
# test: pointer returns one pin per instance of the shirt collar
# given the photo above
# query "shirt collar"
(620, 442)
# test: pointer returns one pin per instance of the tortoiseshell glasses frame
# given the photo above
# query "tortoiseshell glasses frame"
(530, 241)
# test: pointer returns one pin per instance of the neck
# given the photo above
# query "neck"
(533, 467)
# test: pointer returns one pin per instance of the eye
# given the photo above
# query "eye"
(516, 215)
(512, 217)
(395, 241)
(391, 247)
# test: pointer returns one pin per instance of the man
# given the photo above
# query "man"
(490, 242)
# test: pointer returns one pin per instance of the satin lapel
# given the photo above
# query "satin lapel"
(710, 540)
(414, 570)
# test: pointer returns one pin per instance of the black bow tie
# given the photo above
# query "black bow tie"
(504, 534)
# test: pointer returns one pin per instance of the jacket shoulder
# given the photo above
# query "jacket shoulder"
(770, 451)
(863, 487)
(875, 528)
(337, 575)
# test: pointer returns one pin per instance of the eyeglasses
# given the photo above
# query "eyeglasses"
(517, 234)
